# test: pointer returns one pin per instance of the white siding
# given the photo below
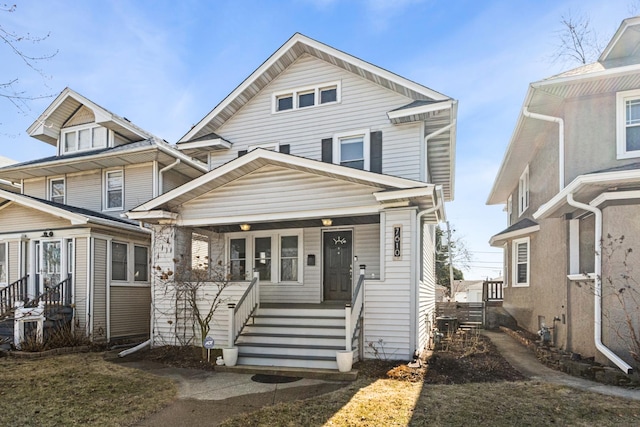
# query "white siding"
(364, 105)
(303, 192)
(80, 281)
(99, 303)
(367, 249)
(14, 261)
(85, 190)
(427, 299)
(138, 186)
(35, 187)
(15, 218)
(388, 302)
(171, 180)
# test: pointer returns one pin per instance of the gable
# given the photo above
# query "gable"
(15, 218)
(81, 117)
(273, 190)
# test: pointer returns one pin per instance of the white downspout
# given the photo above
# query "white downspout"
(430, 136)
(597, 329)
(560, 123)
(161, 173)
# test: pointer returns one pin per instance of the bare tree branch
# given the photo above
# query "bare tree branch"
(577, 41)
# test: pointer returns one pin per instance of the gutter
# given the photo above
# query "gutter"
(597, 330)
(161, 173)
(527, 113)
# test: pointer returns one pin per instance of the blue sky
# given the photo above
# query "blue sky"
(166, 64)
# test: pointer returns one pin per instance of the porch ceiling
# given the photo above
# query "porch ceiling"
(307, 223)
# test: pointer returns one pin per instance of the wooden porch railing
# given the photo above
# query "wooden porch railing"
(58, 295)
(492, 290)
(16, 291)
(353, 311)
(241, 312)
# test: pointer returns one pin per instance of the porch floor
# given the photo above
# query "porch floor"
(313, 373)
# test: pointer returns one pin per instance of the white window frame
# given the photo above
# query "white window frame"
(295, 93)
(130, 270)
(366, 145)
(5, 263)
(127, 262)
(76, 129)
(621, 123)
(148, 263)
(523, 191)
(275, 236)
(274, 146)
(509, 209)
(50, 182)
(106, 191)
(514, 261)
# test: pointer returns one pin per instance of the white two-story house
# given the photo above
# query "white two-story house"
(327, 177)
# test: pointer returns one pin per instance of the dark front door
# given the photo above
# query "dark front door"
(337, 265)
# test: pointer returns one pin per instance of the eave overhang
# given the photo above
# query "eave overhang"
(520, 229)
(420, 112)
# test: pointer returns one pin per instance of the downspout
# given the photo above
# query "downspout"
(560, 123)
(597, 331)
(430, 136)
(437, 207)
(161, 173)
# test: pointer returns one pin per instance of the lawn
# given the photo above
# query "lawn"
(78, 389)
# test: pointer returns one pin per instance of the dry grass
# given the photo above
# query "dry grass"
(400, 403)
(78, 389)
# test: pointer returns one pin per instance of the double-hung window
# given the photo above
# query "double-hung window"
(521, 264)
(56, 190)
(140, 263)
(352, 149)
(523, 192)
(83, 138)
(121, 253)
(276, 256)
(114, 190)
(628, 124)
(119, 261)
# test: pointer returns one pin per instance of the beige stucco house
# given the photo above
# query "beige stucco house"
(327, 177)
(63, 237)
(570, 180)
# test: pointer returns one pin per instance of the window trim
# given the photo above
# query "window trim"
(5, 262)
(50, 182)
(275, 236)
(76, 129)
(621, 124)
(366, 145)
(148, 263)
(106, 191)
(126, 269)
(130, 270)
(514, 262)
(509, 209)
(523, 192)
(295, 94)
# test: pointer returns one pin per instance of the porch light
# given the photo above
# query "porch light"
(47, 233)
(327, 222)
(245, 227)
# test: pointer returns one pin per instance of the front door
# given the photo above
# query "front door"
(49, 264)
(338, 249)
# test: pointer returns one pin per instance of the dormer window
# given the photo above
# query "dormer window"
(83, 138)
(306, 97)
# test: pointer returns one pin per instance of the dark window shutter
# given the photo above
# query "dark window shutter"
(327, 150)
(242, 153)
(375, 159)
(284, 148)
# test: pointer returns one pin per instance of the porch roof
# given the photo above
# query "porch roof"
(386, 191)
(521, 228)
(75, 215)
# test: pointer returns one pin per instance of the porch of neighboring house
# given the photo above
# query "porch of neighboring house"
(487, 313)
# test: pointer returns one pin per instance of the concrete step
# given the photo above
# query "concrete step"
(319, 374)
(314, 362)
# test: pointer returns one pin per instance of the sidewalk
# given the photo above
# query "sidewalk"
(210, 397)
(525, 361)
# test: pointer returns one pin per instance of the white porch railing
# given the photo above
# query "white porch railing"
(240, 312)
(353, 311)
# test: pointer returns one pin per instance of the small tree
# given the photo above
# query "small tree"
(196, 288)
(450, 250)
(578, 42)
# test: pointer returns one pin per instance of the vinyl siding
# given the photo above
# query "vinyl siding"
(80, 281)
(35, 188)
(303, 192)
(427, 299)
(84, 190)
(171, 180)
(15, 219)
(100, 290)
(138, 186)
(364, 105)
(367, 249)
(388, 302)
(130, 311)
(14, 261)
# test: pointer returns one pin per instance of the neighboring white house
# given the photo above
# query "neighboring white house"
(320, 163)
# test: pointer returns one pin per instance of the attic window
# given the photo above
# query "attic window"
(306, 97)
(83, 138)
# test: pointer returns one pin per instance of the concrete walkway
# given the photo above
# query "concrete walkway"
(526, 362)
(210, 397)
